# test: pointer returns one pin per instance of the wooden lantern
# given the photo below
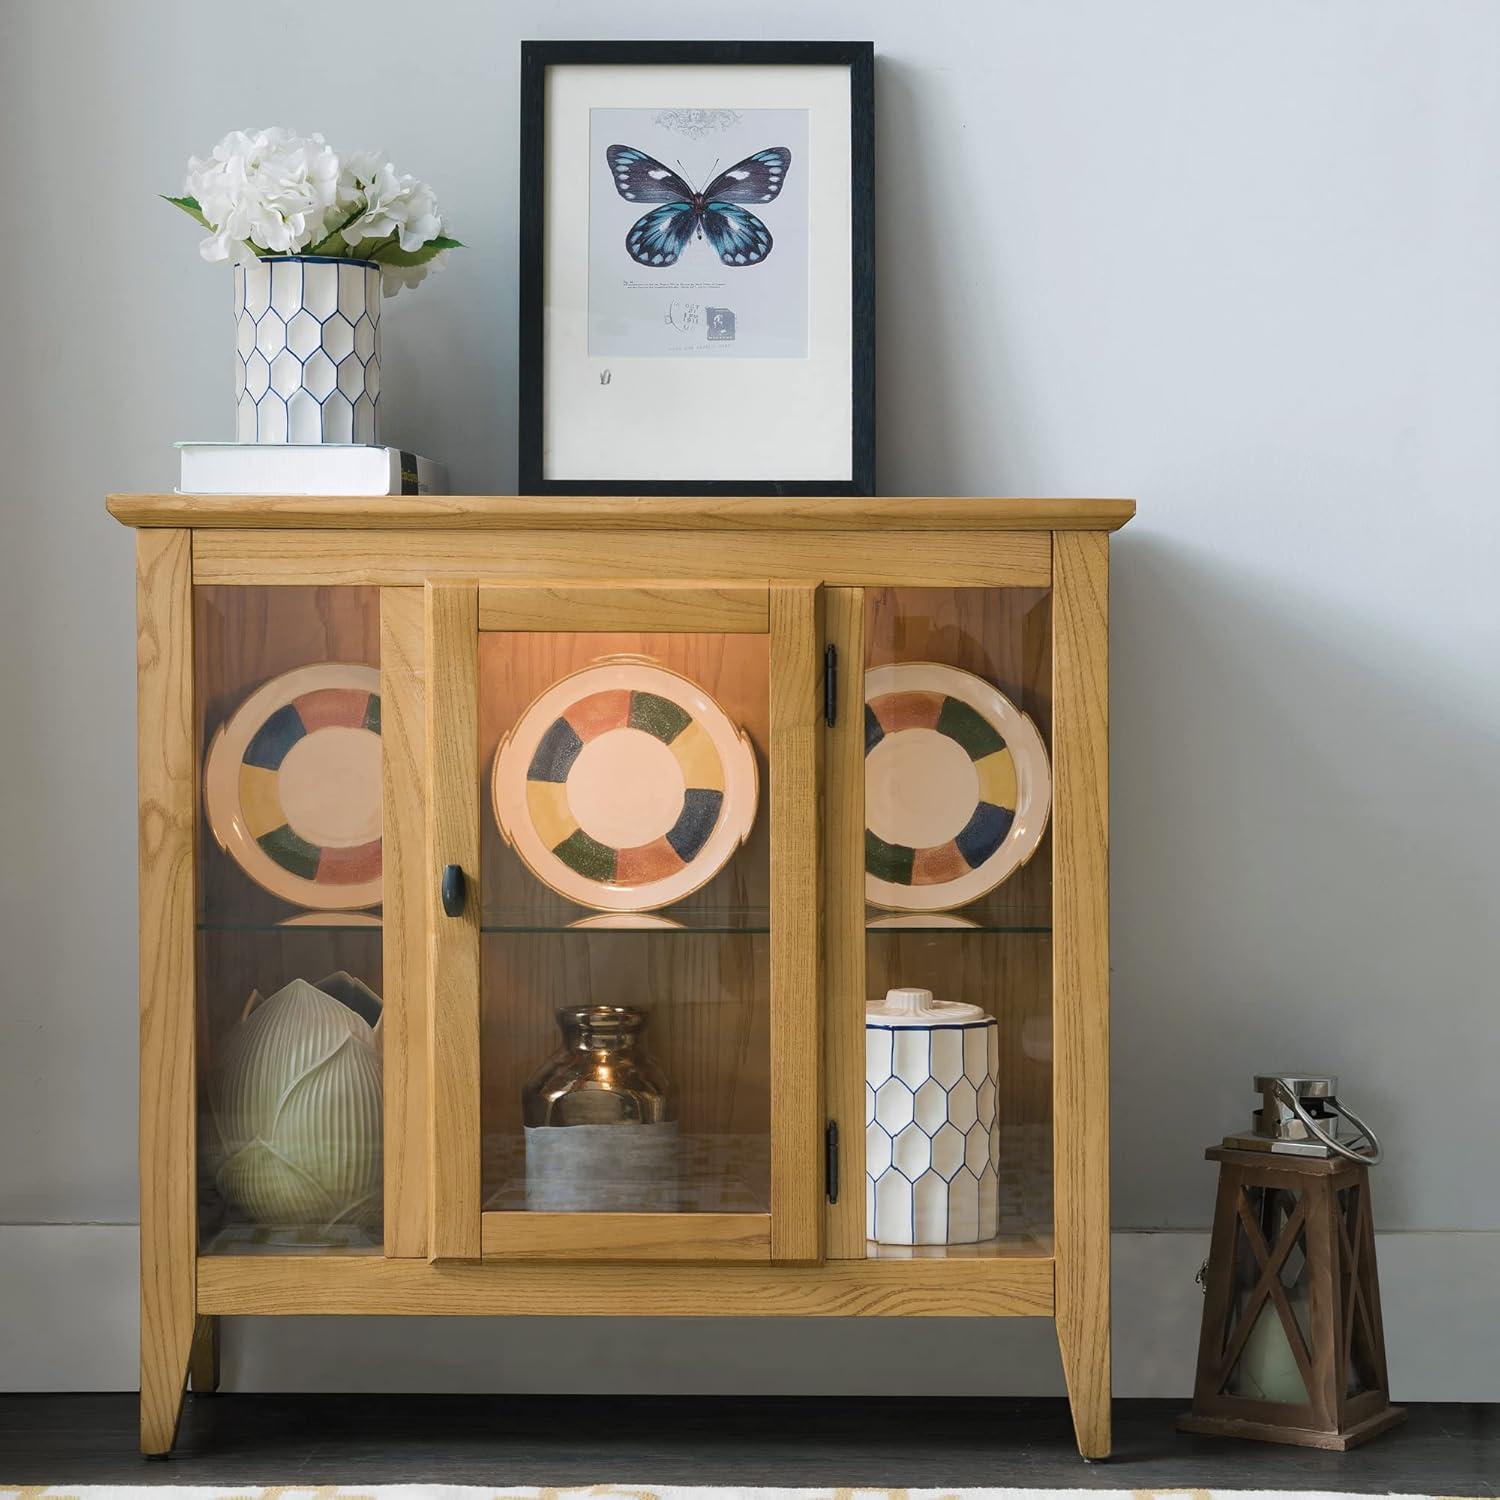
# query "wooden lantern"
(1292, 1348)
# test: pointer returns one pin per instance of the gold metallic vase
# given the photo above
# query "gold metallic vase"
(600, 1129)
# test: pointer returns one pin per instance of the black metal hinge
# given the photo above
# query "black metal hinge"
(830, 685)
(831, 1160)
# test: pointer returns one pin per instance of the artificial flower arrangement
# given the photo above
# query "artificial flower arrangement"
(265, 193)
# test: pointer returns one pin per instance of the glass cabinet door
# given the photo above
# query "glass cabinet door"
(958, 887)
(289, 971)
(637, 893)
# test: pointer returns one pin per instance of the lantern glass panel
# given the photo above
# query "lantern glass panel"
(1270, 1247)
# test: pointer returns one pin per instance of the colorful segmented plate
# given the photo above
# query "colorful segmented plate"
(292, 786)
(956, 787)
(625, 786)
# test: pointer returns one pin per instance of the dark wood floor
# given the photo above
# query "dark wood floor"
(516, 1440)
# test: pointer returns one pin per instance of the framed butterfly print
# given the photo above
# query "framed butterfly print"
(697, 268)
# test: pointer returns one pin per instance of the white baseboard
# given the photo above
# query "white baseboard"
(68, 1323)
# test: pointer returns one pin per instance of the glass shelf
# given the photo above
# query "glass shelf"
(309, 922)
(954, 924)
(696, 920)
(1002, 1247)
(690, 919)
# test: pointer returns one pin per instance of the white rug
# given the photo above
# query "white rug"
(617, 1492)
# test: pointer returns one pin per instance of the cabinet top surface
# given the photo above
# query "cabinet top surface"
(612, 512)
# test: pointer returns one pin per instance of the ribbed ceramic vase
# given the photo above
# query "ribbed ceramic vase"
(932, 1143)
(307, 350)
(297, 1108)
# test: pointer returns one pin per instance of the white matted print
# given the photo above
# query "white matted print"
(698, 225)
(682, 416)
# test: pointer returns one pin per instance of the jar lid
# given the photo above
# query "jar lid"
(912, 1007)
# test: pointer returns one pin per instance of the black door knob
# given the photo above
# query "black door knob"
(454, 890)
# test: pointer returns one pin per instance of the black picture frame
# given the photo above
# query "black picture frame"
(536, 58)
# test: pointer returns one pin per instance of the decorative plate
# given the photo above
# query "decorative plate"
(624, 921)
(292, 786)
(331, 919)
(625, 786)
(957, 787)
(918, 921)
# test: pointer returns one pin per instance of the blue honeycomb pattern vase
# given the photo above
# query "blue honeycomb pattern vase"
(307, 350)
(931, 1137)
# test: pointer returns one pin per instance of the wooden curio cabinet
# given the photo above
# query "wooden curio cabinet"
(430, 788)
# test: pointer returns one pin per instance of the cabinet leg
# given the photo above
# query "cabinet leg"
(203, 1361)
(1084, 1340)
(166, 1348)
(167, 767)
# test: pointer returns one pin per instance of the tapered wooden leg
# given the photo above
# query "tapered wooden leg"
(203, 1362)
(165, 1353)
(167, 768)
(1080, 977)
(1085, 1345)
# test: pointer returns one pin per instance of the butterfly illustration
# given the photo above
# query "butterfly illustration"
(659, 237)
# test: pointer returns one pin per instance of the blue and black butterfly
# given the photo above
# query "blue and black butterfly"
(659, 237)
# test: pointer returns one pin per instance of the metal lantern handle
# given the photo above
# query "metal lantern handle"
(1368, 1158)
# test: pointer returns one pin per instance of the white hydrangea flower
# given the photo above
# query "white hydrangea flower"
(399, 205)
(264, 190)
(274, 192)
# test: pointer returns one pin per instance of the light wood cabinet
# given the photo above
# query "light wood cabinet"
(454, 616)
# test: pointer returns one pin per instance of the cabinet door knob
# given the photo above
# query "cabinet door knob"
(454, 890)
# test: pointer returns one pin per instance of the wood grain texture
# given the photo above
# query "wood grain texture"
(625, 1236)
(404, 1020)
(1272, 1431)
(1001, 1287)
(452, 616)
(602, 606)
(167, 776)
(1080, 852)
(609, 512)
(797, 1119)
(939, 558)
(844, 919)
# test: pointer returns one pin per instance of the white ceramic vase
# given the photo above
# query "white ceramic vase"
(932, 1142)
(297, 1107)
(307, 350)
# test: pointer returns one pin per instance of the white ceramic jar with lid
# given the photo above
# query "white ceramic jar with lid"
(931, 1136)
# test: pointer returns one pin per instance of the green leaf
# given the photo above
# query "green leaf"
(390, 253)
(336, 237)
(191, 207)
(366, 248)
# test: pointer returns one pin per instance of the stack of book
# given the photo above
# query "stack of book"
(307, 469)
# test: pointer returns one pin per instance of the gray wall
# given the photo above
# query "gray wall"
(1236, 260)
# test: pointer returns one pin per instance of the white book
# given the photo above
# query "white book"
(307, 469)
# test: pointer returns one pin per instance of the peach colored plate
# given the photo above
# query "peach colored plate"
(292, 786)
(957, 787)
(918, 921)
(625, 786)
